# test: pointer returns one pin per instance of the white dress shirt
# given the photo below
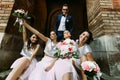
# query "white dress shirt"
(62, 24)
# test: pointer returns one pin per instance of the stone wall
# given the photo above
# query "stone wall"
(103, 21)
(5, 10)
(106, 50)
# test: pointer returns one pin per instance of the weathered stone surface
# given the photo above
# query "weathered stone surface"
(9, 51)
(1, 37)
(106, 51)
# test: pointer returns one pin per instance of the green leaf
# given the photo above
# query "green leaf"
(92, 73)
(20, 28)
(75, 55)
(15, 14)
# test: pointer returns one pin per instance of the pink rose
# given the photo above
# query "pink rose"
(86, 67)
(97, 69)
(63, 43)
(59, 45)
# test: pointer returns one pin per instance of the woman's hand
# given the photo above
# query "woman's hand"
(48, 68)
(51, 65)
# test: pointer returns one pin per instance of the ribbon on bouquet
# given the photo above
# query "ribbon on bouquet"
(20, 21)
(98, 75)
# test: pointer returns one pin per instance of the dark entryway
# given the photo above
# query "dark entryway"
(77, 10)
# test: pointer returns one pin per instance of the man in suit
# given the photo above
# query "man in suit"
(63, 22)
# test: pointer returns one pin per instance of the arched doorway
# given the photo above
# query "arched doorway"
(51, 19)
(77, 9)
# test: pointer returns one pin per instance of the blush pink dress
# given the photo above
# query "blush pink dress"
(25, 53)
(39, 72)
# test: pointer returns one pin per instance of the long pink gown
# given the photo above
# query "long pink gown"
(26, 53)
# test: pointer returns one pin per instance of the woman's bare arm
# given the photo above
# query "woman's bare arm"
(24, 34)
(51, 65)
(40, 35)
(89, 56)
(35, 52)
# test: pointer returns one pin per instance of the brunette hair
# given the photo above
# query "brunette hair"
(90, 39)
(33, 44)
(65, 4)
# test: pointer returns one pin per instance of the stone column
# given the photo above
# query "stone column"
(5, 11)
(104, 22)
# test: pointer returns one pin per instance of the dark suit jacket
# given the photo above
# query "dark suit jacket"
(68, 22)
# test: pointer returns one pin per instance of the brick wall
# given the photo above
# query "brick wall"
(5, 10)
(116, 3)
(103, 16)
(111, 20)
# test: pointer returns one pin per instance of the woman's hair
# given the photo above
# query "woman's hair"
(29, 41)
(53, 31)
(90, 36)
(68, 32)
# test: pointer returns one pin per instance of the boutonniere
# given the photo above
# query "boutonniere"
(67, 20)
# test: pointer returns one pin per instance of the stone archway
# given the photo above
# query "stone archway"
(51, 19)
(77, 9)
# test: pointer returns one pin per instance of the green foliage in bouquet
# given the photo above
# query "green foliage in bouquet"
(90, 74)
(20, 15)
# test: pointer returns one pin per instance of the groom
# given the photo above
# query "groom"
(63, 22)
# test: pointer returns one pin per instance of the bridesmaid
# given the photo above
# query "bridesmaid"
(39, 73)
(84, 49)
(63, 68)
(23, 66)
(73, 75)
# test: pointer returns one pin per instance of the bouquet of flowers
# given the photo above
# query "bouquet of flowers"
(20, 14)
(67, 49)
(91, 69)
